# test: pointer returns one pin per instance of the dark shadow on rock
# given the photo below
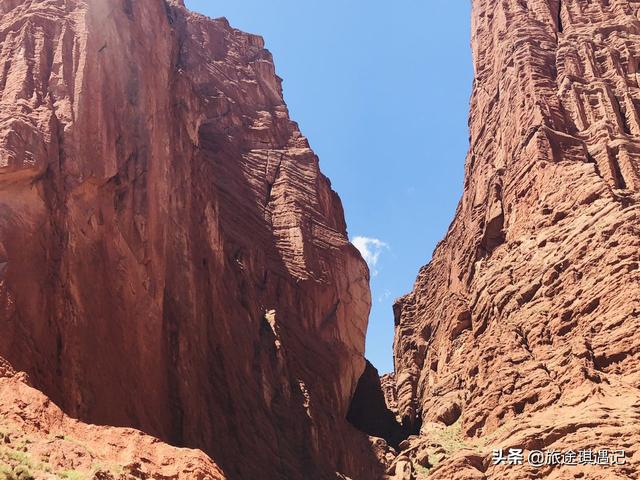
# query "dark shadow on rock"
(369, 413)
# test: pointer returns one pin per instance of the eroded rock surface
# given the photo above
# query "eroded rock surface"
(171, 257)
(39, 441)
(523, 331)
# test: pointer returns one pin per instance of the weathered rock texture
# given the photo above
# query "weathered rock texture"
(38, 439)
(523, 331)
(171, 257)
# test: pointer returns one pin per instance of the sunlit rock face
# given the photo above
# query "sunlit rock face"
(171, 256)
(523, 331)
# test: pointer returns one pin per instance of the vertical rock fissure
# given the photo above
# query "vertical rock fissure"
(559, 17)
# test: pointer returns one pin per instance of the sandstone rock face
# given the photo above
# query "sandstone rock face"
(389, 390)
(171, 257)
(523, 330)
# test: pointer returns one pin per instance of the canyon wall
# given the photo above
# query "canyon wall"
(171, 257)
(523, 331)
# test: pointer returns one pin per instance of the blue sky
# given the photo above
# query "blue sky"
(381, 90)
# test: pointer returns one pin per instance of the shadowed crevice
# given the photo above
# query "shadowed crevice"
(369, 413)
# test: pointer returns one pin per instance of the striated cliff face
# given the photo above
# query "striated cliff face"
(171, 257)
(523, 330)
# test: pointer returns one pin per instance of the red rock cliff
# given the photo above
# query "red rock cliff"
(523, 331)
(171, 257)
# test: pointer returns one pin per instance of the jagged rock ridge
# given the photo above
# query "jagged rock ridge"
(171, 257)
(523, 329)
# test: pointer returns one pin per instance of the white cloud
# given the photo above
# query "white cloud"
(384, 297)
(370, 249)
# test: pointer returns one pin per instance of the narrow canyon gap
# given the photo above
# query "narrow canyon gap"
(172, 259)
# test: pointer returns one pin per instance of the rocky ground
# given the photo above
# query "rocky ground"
(38, 441)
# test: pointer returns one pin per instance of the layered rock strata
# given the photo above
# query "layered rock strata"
(523, 332)
(171, 257)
